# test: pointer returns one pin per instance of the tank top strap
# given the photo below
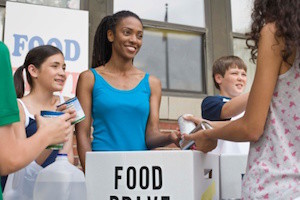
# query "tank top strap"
(27, 113)
(100, 82)
(146, 83)
(95, 73)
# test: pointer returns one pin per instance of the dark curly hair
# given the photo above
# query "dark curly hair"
(286, 16)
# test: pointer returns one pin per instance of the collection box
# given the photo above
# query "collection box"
(232, 170)
(152, 175)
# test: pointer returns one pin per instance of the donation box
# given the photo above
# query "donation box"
(232, 170)
(152, 175)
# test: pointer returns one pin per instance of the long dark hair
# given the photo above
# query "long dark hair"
(36, 57)
(102, 47)
(286, 16)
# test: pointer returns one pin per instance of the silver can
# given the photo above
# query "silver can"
(185, 126)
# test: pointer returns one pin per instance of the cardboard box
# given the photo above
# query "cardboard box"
(152, 175)
(232, 170)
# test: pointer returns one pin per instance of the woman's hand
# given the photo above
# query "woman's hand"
(203, 143)
(175, 137)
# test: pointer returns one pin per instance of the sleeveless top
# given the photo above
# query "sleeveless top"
(273, 170)
(30, 127)
(119, 116)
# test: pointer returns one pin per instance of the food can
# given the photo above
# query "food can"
(185, 126)
(74, 103)
(52, 114)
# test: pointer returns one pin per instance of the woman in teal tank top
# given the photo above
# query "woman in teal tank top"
(120, 101)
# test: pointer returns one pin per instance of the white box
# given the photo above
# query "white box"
(152, 175)
(232, 170)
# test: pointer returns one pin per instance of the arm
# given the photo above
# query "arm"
(154, 138)
(250, 127)
(16, 153)
(68, 147)
(235, 106)
(83, 129)
(19, 127)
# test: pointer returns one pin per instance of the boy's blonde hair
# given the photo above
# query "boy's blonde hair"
(222, 64)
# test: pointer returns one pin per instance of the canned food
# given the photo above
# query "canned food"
(185, 127)
(74, 103)
(52, 114)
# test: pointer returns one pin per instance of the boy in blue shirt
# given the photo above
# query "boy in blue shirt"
(230, 77)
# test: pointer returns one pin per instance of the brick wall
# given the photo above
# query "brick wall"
(166, 126)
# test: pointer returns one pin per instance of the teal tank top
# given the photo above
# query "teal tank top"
(119, 116)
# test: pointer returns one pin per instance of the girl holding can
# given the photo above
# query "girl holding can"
(45, 74)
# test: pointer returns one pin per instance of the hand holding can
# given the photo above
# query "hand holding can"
(74, 103)
(189, 127)
(51, 114)
(185, 127)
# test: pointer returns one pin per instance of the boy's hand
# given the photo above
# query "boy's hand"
(203, 143)
(196, 120)
(56, 129)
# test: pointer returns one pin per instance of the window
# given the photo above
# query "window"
(241, 22)
(173, 43)
(241, 15)
(188, 12)
(174, 57)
